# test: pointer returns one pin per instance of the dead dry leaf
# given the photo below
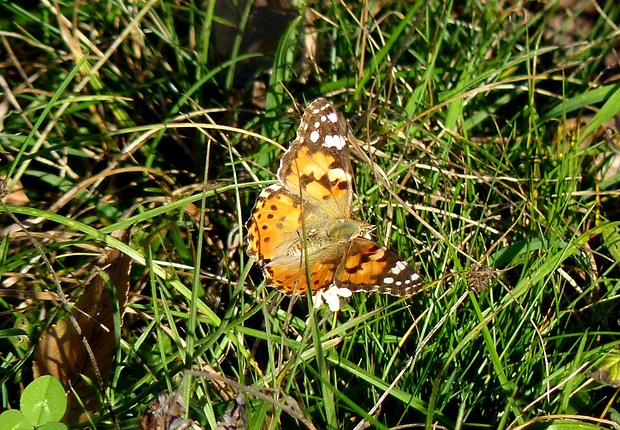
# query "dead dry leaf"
(64, 353)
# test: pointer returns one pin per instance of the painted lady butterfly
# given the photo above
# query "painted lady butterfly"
(308, 214)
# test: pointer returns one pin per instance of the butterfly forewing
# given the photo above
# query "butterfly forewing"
(317, 163)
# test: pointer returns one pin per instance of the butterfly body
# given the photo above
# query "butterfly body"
(302, 225)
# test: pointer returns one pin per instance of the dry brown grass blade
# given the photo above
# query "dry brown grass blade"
(70, 356)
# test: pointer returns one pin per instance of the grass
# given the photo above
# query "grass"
(487, 120)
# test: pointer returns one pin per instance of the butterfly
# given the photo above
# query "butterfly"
(301, 232)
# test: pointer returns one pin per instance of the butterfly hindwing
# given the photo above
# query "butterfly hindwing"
(368, 266)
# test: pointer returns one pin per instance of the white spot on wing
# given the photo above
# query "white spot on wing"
(333, 117)
(399, 267)
(314, 136)
(338, 174)
(334, 142)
